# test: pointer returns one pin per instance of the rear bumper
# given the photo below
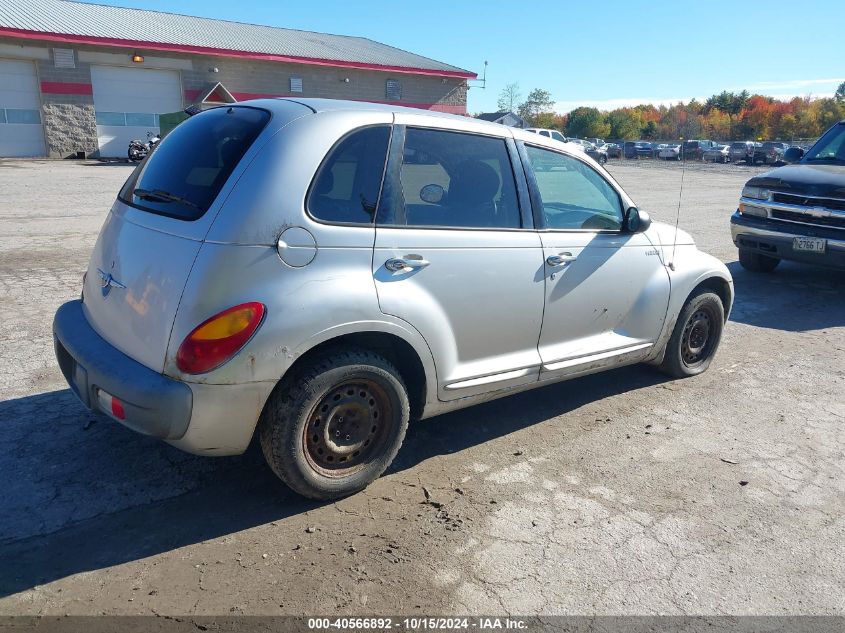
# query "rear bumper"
(154, 404)
(772, 238)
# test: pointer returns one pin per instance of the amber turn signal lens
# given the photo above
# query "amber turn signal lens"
(216, 340)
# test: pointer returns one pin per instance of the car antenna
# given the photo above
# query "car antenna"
(680, 197)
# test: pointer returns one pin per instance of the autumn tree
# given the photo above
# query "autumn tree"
(509, 98)
(537, 102)
(624, 124)
(587, 122)
(724, 116)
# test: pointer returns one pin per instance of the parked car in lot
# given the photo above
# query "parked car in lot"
(597, 153)
(614, 150)
(718, 154)
(598, 142)
(694, 149)
(585, 145)
(770, 152)
(670, 152)
(553, 134)
(239, 284)
(645, 150)
(796, 212)
(743, 151)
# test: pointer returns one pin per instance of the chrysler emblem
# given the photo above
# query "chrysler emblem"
(107, 282)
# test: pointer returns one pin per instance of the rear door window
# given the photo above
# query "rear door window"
(184, 174)
(453, 179)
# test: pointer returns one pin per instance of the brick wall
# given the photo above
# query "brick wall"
(68, 103)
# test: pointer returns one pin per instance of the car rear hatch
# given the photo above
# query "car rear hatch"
(152, 236)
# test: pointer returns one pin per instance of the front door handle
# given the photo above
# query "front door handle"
(560, 259)
(398, 264)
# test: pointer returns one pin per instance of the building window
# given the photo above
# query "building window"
(141, 119)
(131, 119)
(111, 118)
(26, 117)
(296, 84)
(393, 90)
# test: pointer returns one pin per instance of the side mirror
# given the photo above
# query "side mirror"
(793, 155)
(636, 221)
(432, 194)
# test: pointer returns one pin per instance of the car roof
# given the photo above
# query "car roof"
(327, 105)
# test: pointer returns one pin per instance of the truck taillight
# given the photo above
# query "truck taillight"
(216, 340)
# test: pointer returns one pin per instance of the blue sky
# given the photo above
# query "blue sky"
(603, 53)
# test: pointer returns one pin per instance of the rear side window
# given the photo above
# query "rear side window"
(184, 174)
(452, 179)
(347, 185)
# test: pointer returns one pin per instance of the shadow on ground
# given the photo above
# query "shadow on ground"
(794, 298)
(217, 496)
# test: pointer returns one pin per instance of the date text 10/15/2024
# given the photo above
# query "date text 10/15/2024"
(417, 624)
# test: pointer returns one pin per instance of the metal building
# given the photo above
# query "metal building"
(78, 77)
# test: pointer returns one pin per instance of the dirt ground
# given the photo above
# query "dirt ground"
(619, 493)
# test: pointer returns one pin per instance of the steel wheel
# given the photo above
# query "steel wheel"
(696, 339)
(347, 427)
(696, 335)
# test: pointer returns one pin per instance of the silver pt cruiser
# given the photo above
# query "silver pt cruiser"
(323, 271)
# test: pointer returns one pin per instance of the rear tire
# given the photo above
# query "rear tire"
(757, 263)
(336, 424)
(696, 336)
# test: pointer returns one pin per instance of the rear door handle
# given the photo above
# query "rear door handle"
(560, 259)
(398, 264)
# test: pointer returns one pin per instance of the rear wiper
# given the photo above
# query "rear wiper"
(159, 195)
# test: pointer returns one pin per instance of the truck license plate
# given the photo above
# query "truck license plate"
(809, 244)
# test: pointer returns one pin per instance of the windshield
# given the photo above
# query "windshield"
(830, 147)
(184, 174)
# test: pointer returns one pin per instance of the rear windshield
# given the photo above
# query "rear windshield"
(184, 174)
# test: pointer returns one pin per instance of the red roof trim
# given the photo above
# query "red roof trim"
(224, 52)
(66, 88)
(191, 94)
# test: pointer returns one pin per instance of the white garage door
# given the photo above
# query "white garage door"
(128, 101)
(21, 133)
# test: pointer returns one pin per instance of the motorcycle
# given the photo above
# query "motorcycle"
(138, 149)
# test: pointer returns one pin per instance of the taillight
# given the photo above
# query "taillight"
(218, 339)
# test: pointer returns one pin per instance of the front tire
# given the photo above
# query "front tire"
(757, 263)
(336, 424)
(696, 336)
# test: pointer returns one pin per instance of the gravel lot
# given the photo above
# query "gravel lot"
(619, 493)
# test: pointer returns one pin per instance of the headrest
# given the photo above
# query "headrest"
(473, 183)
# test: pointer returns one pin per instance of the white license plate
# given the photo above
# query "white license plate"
(809, 244)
